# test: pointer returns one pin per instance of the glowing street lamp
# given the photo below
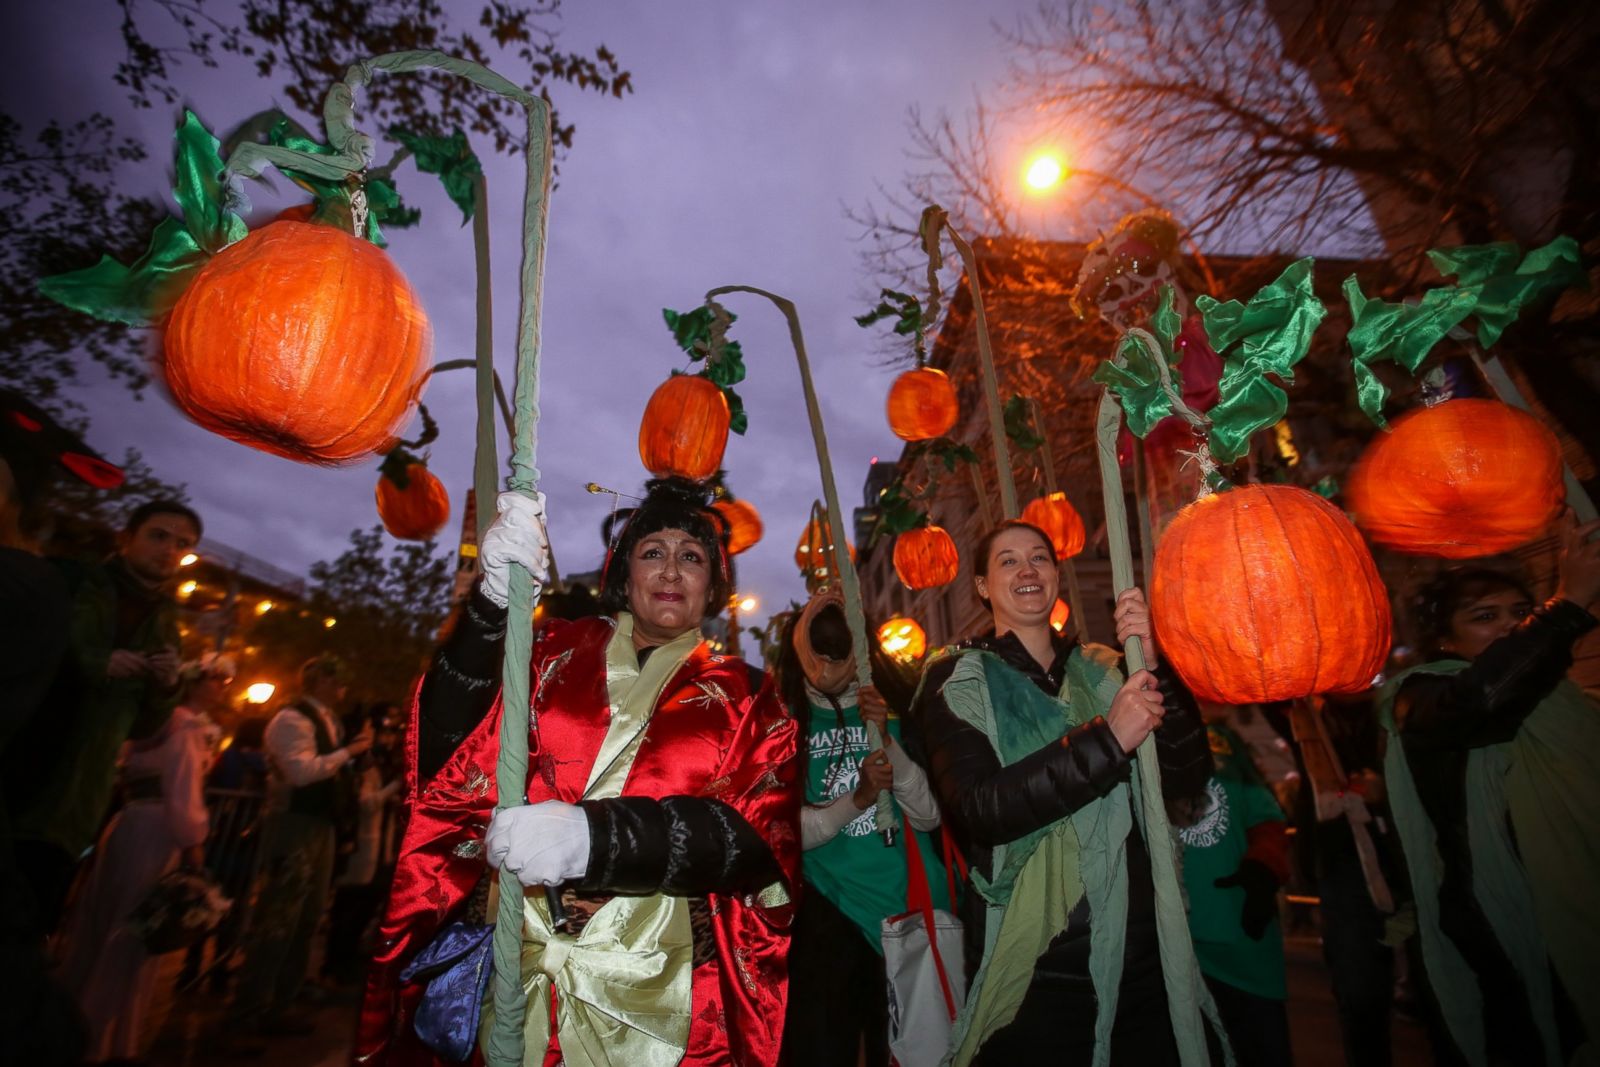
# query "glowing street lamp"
(1044, 171)
(259, 693)
(189, 559)
(186, 590)
(748, 604)
(263, 607)
(330, 622)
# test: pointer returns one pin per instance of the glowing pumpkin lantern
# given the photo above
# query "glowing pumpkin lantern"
(685, 428)
(300, 340)
(1055, 515)
(1267, 592)
(902, 639)
(922, 404)
(1462, 479)
(415, 508)
(744, 523)
(926, 557)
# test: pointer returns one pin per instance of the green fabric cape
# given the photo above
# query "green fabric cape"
(1037, 879)
(1534, 874)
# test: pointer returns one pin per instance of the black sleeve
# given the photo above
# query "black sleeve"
(991, 804)
(681, 846)
(460, 685)
(1486, 703)
(1181, 743)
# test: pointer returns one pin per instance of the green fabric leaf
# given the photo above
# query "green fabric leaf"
(143, 294)
(140, 295)
(333, 197)
(1137, 383)
(951, 453)
(1504, 285)
(1019, 424)
(694, 332)
(738, 419)
(199, 190)
(898, 511)
(451, 158)
(1404, 333)
(1269, 334)
(691, 330)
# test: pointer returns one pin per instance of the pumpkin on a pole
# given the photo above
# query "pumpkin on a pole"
(1461, 479)
(684, 431)
(926, 558)
(412, 503)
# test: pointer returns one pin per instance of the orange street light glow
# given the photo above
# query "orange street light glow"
(189, 558)
(1044, 172)
(263, 607)
(748, 604)
(260, 692)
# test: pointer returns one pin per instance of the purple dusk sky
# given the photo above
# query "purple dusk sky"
(750, 125)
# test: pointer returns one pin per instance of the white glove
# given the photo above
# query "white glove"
(516, 536)
(542, 844)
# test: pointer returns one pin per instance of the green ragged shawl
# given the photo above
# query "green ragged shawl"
(1535, 875)
(1037, 879)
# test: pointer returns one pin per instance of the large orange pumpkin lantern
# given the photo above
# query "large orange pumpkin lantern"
(744, 523)
(814, 553)
(1267, 592)
(926, 557)
(902, 639)
(922, 404)
(416, 510)
(300, 340)
(1055, 515)
(685, 428)
(1465, 478)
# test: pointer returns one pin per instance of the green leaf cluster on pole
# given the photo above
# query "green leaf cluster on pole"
(703, 336)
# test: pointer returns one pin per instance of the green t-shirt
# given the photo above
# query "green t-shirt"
(855, 871)
(1213, 845)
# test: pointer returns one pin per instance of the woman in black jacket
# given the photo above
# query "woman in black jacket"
(1030, 742)
(1493, 785)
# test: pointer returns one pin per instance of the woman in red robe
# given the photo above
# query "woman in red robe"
(662, 799)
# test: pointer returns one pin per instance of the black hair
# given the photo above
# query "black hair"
(151, 508)
(980, 555)
(1453, 589)
(668, 504)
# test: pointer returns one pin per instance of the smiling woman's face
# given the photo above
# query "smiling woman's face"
(1022, 580)
(669, 578)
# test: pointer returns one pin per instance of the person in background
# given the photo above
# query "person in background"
(1235, 859)
(1493, 773)
(838, 1013)
(119, 680)
(103, 958)
(312, 782)
(39, 1018)
(358, 893)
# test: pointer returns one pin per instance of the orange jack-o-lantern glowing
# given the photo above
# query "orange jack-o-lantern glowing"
(814, 553)
(902, 639)
(926, 558)
(685, 428)
(922, 404)
(300, 340)
(1465, 478)
(1267, 592)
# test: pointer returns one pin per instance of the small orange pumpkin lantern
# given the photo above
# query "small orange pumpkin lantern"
(300, 340)
(1267, 592)
(922, 404)
(1462, 479)
(814, 554)
(1059, 616)
(744, 523)
(926, 557)
(685, 428)
(902, 639)
(1055, 515)
(415, 510)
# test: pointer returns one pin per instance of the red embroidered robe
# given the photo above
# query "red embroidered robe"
(709, 735)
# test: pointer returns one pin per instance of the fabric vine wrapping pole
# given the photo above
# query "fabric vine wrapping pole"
(855, 616)
(1171, 923)
(504, 1048)
(934, 220)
